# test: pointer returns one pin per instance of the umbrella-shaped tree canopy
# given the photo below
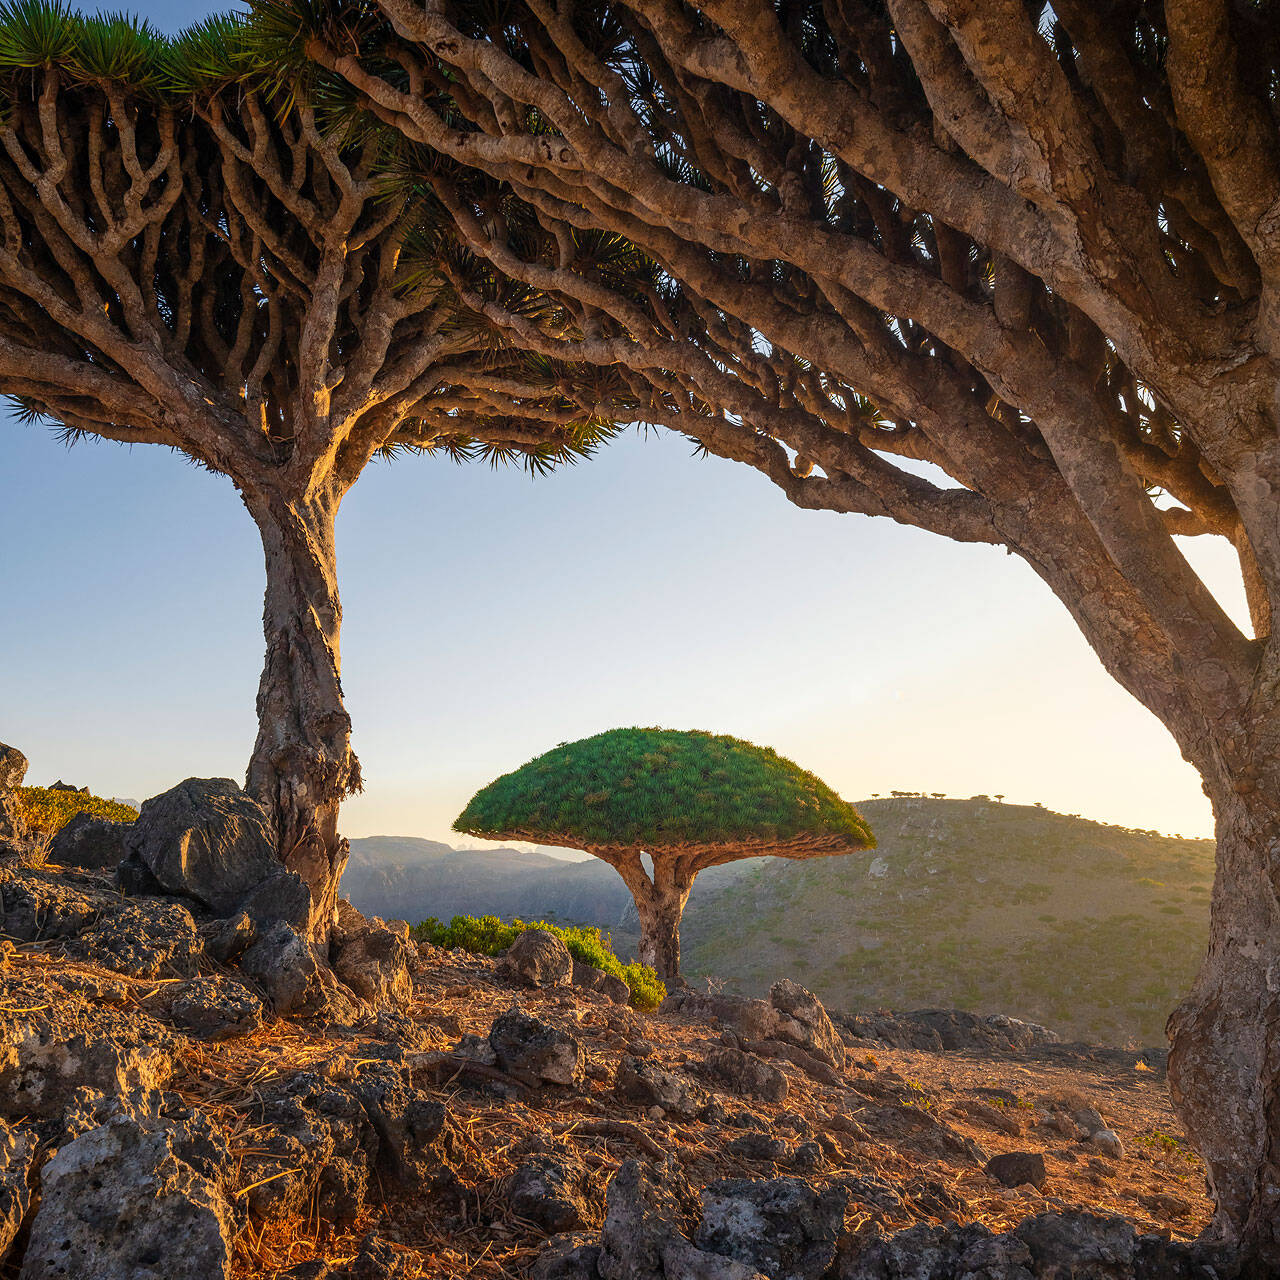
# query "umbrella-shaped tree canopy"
(688, 799)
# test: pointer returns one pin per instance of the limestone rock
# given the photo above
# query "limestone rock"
(94, 844)
(118, 1204)
(547, 1191)
(589, 978)
(534, 1051)
(17, 1156)
(38, 904)
(144, 940)
(281, 963)
(781, 1227)
(568, 1257)
(1018, 1168)
(648, 1085)
(645, 1211)
(216, 1009)
(375, 965)
(745, 1074)
(539, 959)
(13, 768)
(205, 839)
(804, 1021)
(41, 1067)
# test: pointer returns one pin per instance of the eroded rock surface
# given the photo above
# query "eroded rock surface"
(94, 844)
(534, 1051)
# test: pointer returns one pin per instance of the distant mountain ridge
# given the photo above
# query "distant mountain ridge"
(1093, 930)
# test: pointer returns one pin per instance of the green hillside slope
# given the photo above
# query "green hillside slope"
(1094, 930)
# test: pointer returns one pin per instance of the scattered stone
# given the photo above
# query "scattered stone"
(535, 1052)
(807, 1157)
(744, 1074)
(205, 839)
(216, 1009)
(94, 844)
(1017, 1168)
(144, 940)
(809, 1027)
(17, 1156)
(549, 1193)
(375, 964)
(539, 959)
(781, 1227)
(13, 768)
(589, 978)
(645, 1211)
(949, 1029)
(415, 1137)
(1089, 1119)
(118, 1204)
(918, 1130)
(759, 1146)
(1108, 1142)
(41, 1067)
(568, 1257)
(38, 904)
(646, 1084)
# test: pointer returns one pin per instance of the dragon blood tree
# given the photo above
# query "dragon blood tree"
(187, 260)
(687, 800)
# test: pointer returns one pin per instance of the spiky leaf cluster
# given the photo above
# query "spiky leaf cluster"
(653, 789)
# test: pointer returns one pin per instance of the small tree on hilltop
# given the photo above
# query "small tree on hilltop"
(689, 800)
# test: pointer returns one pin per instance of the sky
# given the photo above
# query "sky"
(489, 615)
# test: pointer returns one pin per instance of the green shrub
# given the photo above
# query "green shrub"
(489, 936)
(47, 810)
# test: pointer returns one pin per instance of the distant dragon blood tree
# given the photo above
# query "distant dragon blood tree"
(186, 261)
(686, 800)
(1035, 246)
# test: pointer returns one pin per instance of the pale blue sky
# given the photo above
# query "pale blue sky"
(489, 616)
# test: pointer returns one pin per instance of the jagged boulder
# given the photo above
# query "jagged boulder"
(374, 963)
(118, 1204)
(42, 1066)
(648, 1085)
(539, 959)
(283, 895)
(548, 1191)
(645, 1211)
(791, 1015)
(38, 904)
(415, 1137)
(13, 768)
(282, 964)
(588, 978)
(204, 839)
(93, 844)
(781, 1226)
(535, 1052)
(745, 1074)
(144, 939)
(216, 1009)
(17, 1156)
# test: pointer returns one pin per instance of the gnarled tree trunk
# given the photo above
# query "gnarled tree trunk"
(1224, 1067)
(302, 765)
(660, 903)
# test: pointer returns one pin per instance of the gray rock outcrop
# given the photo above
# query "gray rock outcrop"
(93, 844)
(204, 839)
(17, 1156)
(117, 1203)
(534, 1051)
(539, 959)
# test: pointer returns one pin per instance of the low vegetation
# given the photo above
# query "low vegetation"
(48, 809)
(489, 936)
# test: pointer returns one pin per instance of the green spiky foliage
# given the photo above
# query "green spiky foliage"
(655, 789)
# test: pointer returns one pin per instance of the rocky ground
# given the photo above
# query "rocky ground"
(152, 1101)
(190, 1092)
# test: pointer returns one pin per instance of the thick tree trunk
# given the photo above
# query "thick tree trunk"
(1224, 1067)
(660, 903)
(302, 765)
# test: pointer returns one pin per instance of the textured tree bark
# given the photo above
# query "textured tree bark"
(1224, 1066)
(660, 903)
(302, 765)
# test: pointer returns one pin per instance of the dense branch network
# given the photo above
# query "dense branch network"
(974, 236)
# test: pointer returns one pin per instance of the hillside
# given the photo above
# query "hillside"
(1091, 929)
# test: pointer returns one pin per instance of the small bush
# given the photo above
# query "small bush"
(489, 936)
(47, 810)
